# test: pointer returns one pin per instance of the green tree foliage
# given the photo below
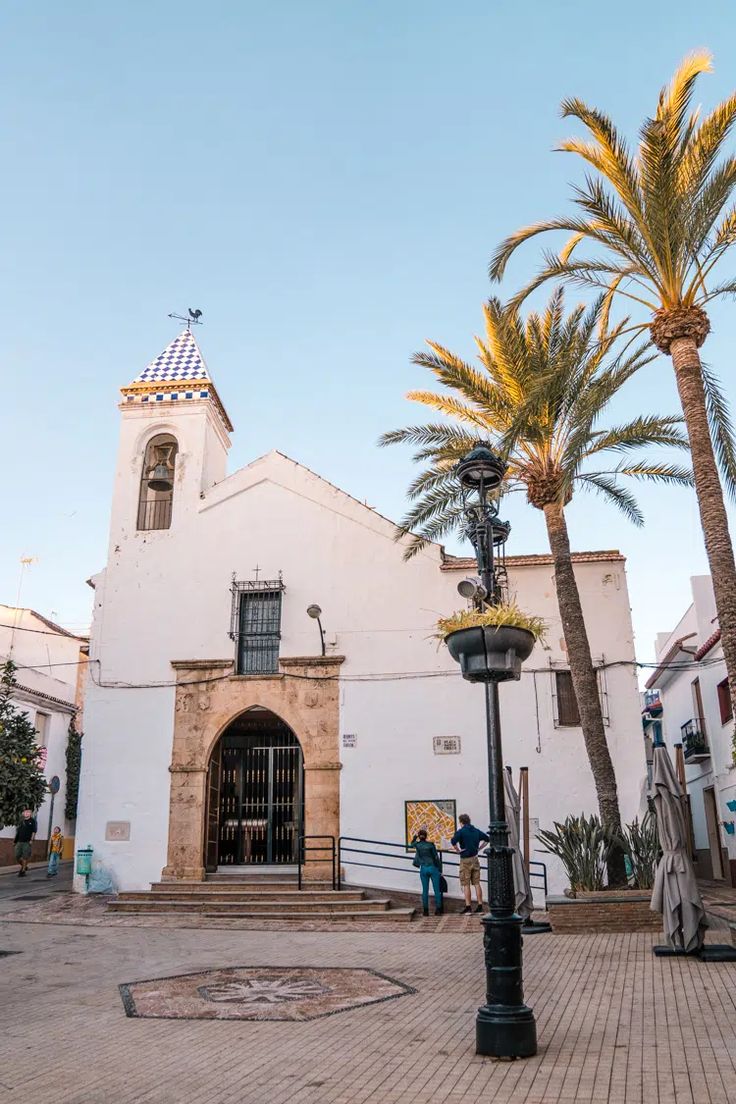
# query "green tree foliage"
(73, 768)
(22, 782)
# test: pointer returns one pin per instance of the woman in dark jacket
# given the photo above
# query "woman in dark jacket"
(428, 860)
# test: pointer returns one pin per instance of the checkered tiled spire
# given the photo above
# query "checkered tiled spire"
(180, 360)
(177, 375)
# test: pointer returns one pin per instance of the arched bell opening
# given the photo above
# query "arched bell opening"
(156, 495)
(255, 794)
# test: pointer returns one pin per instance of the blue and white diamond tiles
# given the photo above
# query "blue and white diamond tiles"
(181, 360)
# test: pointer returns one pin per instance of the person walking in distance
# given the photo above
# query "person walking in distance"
(25, 834)
(466, 842)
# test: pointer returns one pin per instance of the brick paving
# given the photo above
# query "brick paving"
(616, 1025)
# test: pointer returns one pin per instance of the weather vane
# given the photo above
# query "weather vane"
(193, 319)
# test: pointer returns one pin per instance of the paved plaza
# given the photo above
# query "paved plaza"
(615, 1024)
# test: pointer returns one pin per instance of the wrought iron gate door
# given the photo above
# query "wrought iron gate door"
(261, 802)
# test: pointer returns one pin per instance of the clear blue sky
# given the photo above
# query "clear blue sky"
(326, 181)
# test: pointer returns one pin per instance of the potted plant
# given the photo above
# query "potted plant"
(491, 643)
(583, 845)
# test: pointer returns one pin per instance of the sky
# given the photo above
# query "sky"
(326, 181)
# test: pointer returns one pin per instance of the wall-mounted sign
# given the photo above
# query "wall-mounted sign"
(349, 739)
(117, 830)
(446, 745)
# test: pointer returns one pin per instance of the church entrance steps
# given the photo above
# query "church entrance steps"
(212, 892)
(319, 914)
(230, 900)
(358, 910)
(259, 900)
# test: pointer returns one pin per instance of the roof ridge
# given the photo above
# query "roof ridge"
(46, 621)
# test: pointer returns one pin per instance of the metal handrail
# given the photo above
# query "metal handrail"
(302, 857)
(452, 860)
(693, 737)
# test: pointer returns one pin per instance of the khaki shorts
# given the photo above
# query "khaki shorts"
(22, 851)
(470, 871)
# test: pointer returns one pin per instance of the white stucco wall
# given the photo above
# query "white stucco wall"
(165, 596)
(47, 663)
(675, 686)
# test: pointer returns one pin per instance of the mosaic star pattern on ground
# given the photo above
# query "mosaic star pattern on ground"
(259, 993)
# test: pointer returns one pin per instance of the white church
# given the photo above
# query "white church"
(223, 721)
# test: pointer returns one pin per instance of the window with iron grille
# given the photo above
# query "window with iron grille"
(567, 706)
(256, 625)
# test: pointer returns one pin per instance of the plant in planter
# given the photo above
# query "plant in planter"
(641, 844)
(493, 641)
(583, 846)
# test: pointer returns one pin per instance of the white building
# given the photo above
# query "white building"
(691, 679)
(208, 689)
(47, 659)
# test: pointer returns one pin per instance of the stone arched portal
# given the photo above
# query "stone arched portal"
(305, 694)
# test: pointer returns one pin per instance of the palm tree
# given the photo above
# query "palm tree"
(539, 395)
(659, 222)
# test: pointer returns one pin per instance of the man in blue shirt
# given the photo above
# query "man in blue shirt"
(466, 842)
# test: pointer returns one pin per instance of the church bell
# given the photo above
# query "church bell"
(160, 478)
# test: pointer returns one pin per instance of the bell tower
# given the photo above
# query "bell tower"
(174, 440)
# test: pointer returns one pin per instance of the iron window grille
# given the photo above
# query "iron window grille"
(255, 625)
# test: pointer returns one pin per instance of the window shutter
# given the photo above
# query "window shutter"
(724, 701)
(567, 706)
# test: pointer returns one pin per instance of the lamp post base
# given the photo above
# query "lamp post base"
(504, 1026)
(502, 1032)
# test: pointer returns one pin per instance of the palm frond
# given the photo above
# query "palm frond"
(609, 488)
(427, 435)
(659, 473)
(638, 433)
(721, 428)
(452, 407)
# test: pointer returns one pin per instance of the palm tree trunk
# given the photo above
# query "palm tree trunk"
(713, 519)
(585, 683)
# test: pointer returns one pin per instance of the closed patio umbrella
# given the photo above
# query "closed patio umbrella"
(675, 892)
(522, 889)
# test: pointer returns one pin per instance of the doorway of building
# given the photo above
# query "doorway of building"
(714, 833)
(255, 794)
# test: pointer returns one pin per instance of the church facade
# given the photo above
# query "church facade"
(223, 721)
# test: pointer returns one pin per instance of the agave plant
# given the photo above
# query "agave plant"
(641, 844)
(583, 846)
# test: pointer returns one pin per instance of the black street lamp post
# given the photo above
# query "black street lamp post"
(505, 1026)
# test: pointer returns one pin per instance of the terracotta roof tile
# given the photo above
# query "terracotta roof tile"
(709, 643)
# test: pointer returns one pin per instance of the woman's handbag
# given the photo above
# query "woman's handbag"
(443, 884)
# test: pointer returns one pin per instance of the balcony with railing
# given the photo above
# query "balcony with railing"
(652, 703)
(694, 744)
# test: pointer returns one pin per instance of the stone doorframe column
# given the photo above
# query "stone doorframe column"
(305, 695)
